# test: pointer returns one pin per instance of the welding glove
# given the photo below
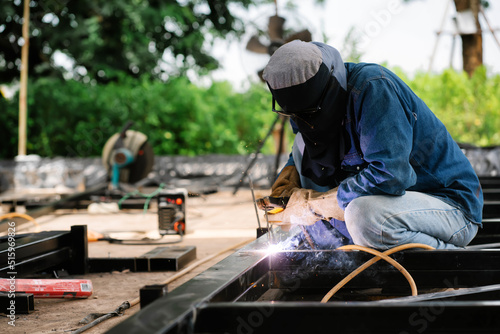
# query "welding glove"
(307, 206)
(286, 182)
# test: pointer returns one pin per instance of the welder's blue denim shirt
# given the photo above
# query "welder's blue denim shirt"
(398, 144)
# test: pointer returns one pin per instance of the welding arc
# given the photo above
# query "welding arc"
(20, 215)
(378, 256)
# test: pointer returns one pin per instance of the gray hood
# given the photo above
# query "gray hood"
(299, 74)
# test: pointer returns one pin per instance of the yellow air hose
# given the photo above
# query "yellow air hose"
(378, 256)
(20, 215)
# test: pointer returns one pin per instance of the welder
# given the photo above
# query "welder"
(370, 161)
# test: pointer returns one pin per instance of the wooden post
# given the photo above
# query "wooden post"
(472, 44)
(23, 109)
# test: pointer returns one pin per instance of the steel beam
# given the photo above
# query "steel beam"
(488, 292)
(52, 250)
(24, 303)
(170, 258)
(225, 280)
(253, 291)
(356, 317)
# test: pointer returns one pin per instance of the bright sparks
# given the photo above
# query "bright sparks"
(272, 249)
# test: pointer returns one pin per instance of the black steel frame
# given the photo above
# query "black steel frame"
(24, 302)
(49, 250)
(170, 258)
(254, 292)
(45, 252)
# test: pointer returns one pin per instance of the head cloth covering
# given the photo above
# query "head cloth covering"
(302, 75)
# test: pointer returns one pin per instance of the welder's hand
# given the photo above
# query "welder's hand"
(325, 204)
(286, 182)
(306, 206)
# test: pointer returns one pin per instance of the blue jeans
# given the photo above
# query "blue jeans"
(383, 221)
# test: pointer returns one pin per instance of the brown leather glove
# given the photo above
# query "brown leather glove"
(306, 206)
(286, 182)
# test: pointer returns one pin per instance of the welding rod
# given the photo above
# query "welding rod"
(254, 202)
(267, 220)
(269, 230)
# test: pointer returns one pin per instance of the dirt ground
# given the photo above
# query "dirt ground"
(213, 222)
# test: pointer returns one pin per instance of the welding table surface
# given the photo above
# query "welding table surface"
(214, 222)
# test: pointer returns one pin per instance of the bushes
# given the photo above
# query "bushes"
(68, 118)
(469, 107)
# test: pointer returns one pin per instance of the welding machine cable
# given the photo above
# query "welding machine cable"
(138, 193)
(132, 242)
(378, 256)
(20, 215)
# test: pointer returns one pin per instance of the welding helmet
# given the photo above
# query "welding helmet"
(308, 81)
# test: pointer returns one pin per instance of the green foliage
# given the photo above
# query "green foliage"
(104, 38)
(484, 3)
(350, 48)
(468, 107)
(69, 118)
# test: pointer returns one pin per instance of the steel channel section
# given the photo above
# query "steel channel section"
(491, 209)
(430, 269)
(355, 317)
(489, 233)
(150, 293)
(36, 252)
(227, 298)
(488, 292)
(167, 258)
(24, 302)
(226, 280)
(491, 194)
(32, 246)
(102, 265)
(404, 316)
(489, 182)
(47, 262)
(159, 259)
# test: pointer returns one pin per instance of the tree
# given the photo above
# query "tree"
(472, 43)
(102, 38)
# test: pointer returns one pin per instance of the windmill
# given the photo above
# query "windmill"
(275, 37)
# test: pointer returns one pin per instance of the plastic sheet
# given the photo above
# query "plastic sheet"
(179, 171)
(484, 160)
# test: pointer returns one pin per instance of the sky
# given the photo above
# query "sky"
(390, 32)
